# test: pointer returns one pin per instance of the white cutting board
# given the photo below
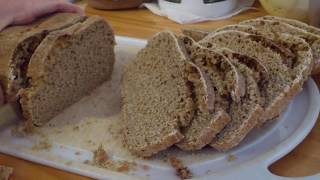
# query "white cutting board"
(80, 129)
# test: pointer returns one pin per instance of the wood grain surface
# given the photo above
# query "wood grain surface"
(140, 23)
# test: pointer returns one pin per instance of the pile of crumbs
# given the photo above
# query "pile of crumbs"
(101, 159)
(181, 170)
(5, 172)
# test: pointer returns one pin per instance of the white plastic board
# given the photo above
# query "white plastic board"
(80, 129)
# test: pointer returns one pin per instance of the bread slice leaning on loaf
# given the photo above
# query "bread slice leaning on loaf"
(55, 62)
(276, 27)
(159, 90)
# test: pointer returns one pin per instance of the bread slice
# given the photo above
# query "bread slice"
(276, 27)
(66, 66)
(283, 85)
(159, 89)
(293, 22)
(287, 55)
(246, 113)
(228, 84)
(21, 42)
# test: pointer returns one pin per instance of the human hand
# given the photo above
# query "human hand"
(19, 12)
(1, 97)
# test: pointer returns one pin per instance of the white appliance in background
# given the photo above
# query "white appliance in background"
(192, 11)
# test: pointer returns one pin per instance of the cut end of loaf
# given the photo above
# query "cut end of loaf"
(59, 76)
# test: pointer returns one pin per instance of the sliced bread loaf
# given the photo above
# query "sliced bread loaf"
(66, 66)
(259, 48)
(276, 27)
(159, 89)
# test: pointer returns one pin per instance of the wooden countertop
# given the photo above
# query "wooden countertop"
(303, 160)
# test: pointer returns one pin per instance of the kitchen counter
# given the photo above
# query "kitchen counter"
(140, 23)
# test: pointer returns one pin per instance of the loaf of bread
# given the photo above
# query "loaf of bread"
(52, 63)
(235, 78)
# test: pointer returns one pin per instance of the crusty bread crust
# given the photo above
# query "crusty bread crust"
(293, 22)
(219, 120)
(149, 150)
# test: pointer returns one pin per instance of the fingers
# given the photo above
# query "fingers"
(59, 6)
(44, 7)
(68, 7)
(1, 97)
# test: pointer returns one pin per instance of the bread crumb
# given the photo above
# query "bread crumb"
(76, 128)
(100, 156)
(42, 145)
(123, 168)
(231, 157)
(51, 125)
(182, 171)
(89, 141)
(86, 162)
(68, 163)
(101, 159)
(57, 131)
(77, 153)
(5, 172)
(145, 167)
